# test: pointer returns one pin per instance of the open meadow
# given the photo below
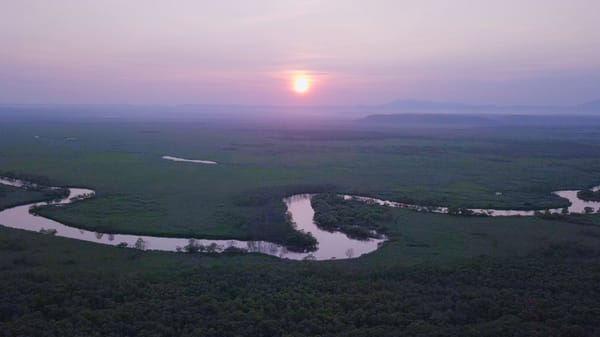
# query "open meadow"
(240, 197)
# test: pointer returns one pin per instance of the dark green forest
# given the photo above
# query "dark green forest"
(356, 219)
(58, 287)
(589, 195)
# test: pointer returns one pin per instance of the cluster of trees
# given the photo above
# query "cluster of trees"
(194, 246)
(49, 231)
(589, 195)
(40, 184)
(262, 196)
(553, 294)
(356, 219)
(30, 179)
(271, 222)
(460, 211)
(53, 194)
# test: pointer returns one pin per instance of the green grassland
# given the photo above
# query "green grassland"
(439, 239)
(11, 196)
(138, 192)
(14, 196)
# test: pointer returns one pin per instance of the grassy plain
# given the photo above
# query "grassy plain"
(13, 196)
(138, 192)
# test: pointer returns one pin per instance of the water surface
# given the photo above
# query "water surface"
(577, 206)
(197, 161)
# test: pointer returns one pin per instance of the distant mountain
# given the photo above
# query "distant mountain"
(593, 105)
(460, 120)
(420, 106)
(410, 104)
(429, 119)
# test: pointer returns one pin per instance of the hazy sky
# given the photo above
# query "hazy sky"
(243, 51)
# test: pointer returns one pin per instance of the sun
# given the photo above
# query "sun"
(301, 83)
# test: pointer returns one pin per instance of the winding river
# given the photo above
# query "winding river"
(331, 245)
(577, 206)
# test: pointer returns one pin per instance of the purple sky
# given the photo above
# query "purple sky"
(243, 51)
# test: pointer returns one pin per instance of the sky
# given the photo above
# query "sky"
(247, 52)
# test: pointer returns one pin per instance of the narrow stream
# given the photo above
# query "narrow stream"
(577, 206)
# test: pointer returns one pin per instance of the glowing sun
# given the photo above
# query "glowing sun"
(301, 83)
